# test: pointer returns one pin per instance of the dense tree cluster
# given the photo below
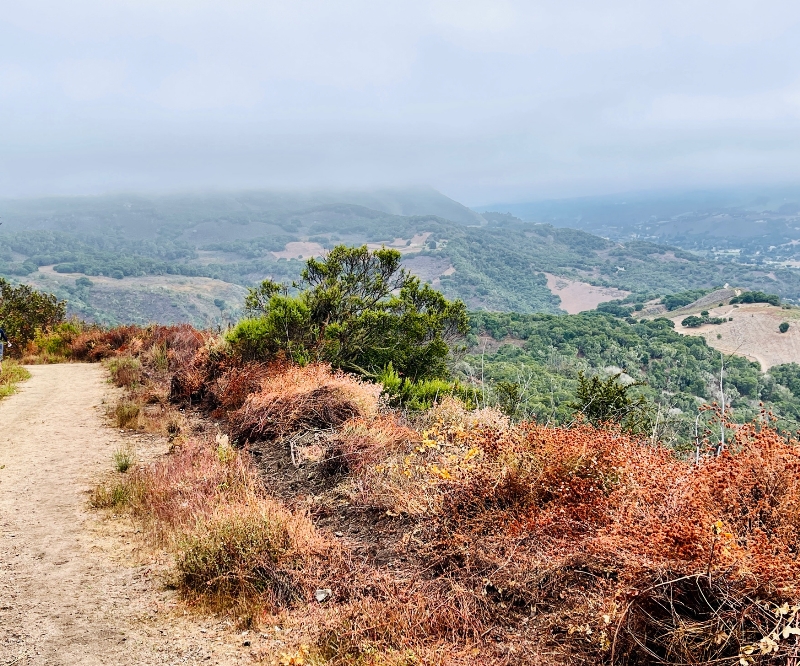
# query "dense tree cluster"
(25, 311)
(545, 354)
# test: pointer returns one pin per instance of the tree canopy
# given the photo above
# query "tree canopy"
(358, 310)
(24, 310)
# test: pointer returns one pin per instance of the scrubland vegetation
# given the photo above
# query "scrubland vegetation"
(460, 527)
(465, 536)
(11, 373)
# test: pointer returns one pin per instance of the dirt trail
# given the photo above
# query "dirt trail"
(69, 592)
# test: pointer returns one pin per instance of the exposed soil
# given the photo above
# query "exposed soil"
(580, 296)
(300, 250)
(74, 586)
(752, 333)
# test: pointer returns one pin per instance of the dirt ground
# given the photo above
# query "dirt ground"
(580, 296)
(75, 588)
(752, 333)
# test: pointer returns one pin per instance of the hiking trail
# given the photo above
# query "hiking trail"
(73, 589)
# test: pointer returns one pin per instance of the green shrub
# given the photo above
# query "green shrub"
(109, 497)
(610, 401)
(126, 371)
(126, 414)
(756, 297)
(358, 310)
(124, 458)
(284, 326)
(10, 375)
(55, 343)
(24, 311)
(679, 300)
(417, 396)
(692, 321)
(784, 327)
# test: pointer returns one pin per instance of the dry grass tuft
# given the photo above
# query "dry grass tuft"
(299, 399)
(124, 458)
(257, 550)
(126, 371)
(127, 414)
(233, 545)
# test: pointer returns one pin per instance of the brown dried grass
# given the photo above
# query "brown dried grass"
(297, 399)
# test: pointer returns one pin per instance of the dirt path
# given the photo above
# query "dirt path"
(69, 591)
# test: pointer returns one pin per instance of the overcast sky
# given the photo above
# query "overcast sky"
(485, 100)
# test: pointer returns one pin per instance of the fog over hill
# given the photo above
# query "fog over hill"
(750, 224)
(189, 257)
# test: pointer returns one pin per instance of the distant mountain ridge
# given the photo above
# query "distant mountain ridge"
(132, 246)
(139, 215)
(751, 225)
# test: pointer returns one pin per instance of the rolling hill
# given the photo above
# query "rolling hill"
(189, 257)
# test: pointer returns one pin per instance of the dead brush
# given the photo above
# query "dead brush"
(180, 343)
(189, 484)
(363, 442)
(297, 399)
(234, 546)
(230, 390)
(403, 615)
(626, 552)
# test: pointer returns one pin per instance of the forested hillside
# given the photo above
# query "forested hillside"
(542, 355)
(110, 256)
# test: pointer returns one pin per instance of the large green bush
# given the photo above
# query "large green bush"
(358, 310)
(24, 312)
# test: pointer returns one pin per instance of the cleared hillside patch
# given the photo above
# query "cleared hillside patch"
(753, 333)
(581, 296)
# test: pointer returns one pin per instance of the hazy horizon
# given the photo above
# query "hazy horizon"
(483, 101)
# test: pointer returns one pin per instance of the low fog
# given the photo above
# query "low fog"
(484, 100)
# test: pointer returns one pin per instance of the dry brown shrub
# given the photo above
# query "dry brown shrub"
(624, 551)
(363, 442)
(254, 550)
(180, 342)
(230, 390)
(297, 399)
(192, 382)
(234, 545)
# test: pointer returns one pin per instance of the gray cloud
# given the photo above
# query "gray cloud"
(481, 99)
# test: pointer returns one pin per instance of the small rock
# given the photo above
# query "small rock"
(246, 644)
(338, 534)
(323, 595)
